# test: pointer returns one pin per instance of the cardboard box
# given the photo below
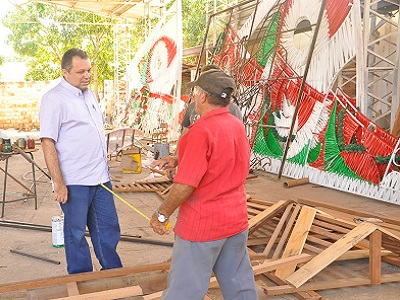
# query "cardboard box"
(131, 160)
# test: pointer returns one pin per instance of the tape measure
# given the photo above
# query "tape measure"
(167, 227)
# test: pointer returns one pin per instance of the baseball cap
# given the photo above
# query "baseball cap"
(209, 67)
(215, 82)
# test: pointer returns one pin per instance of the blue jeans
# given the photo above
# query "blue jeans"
(94, 207)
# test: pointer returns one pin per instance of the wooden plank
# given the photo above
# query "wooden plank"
(392, 259)
(329, 284)
(390, 234)
(257, 256)
(303, 295)
(330, 254)
(360, 254)
(348, 210)
(213, 283)
(375, 258)
(266, 203)
(257, 241)
(272, 265)
(158, 295)
(57, 280)
(325, 232)
(335, 220)
(297, 239)
(154, 296)
(260, 207)
(312, 249)
(390, 241)
(277, 230)
(267, 213)
(286, 232)
(72, 289)
(396, 124)
(318, 241)
(107, 294)
(330, 226)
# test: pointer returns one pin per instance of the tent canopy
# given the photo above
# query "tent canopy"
(121, 9)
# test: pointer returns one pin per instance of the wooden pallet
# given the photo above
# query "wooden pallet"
(141, 187)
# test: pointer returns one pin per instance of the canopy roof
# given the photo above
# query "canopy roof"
(125, 9)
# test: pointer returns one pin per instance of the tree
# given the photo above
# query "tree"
(2, 61)
(42, 33)
(193, 22)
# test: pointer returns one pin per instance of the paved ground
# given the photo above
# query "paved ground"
(14, 267)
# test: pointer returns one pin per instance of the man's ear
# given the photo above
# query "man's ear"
(203, 98)
(64, 72)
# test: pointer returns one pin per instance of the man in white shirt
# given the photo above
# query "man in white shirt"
(74, 147)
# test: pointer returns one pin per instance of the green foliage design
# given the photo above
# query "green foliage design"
(314, 153)
(333, 161)
(269, 41)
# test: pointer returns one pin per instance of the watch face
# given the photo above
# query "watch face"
(161, 217)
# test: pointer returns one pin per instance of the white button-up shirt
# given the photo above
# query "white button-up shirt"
(73, 119)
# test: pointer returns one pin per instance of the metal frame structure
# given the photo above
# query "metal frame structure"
(374, 73)
(122, 56)
(380, 66)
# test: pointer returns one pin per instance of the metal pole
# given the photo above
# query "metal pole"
(47, 228)
(35, 257)
(303, 82)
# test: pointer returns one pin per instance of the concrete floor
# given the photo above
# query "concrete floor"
(15, 268)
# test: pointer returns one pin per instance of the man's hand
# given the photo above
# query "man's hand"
(165, 163)
(60, 193)
(158, 227)
(171, 173)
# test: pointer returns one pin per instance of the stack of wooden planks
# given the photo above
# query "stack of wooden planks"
(315, 239)
(293, 246)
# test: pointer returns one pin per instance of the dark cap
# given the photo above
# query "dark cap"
(210, 67)
(215, 82)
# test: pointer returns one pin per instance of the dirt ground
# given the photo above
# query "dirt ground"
(152, 248)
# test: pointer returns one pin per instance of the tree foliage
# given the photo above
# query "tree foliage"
(2, 61)
(193, 22)
(41, 33)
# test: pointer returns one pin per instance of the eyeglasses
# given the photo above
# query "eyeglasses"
(195, 92)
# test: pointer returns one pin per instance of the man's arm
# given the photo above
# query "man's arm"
(53, 165)
(169, 161)
(177, 195)
(165, 162)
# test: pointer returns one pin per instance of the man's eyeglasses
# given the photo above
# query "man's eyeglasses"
(194, 92)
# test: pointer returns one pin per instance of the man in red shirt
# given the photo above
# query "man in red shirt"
(212, 225)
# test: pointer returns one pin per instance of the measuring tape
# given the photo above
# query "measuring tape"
(167, 227)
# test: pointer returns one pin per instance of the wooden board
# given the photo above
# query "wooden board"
(57, 280)
(329, 255)
(107, 294)
(297, 239)
(328, 284)
(348, 210)
(267, 214)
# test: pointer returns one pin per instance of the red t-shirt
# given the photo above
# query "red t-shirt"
(214, 157)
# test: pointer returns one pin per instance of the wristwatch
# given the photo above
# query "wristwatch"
(162, 218)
